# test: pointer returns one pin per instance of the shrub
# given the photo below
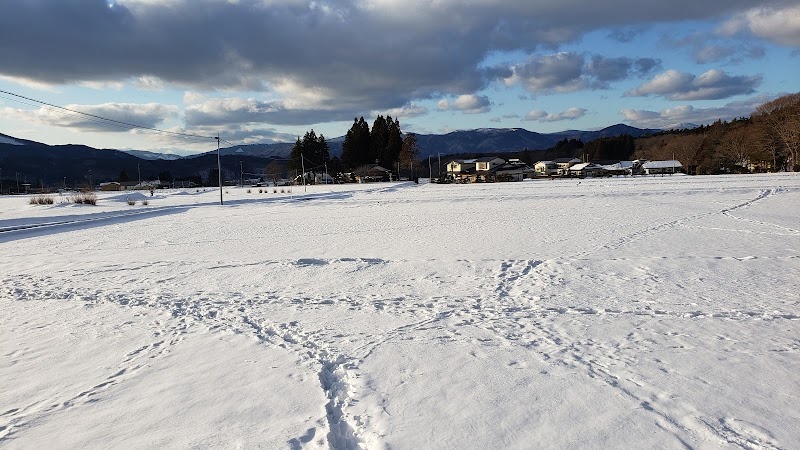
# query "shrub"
(130, 201)
(260, 191)
(248, 191)
(41, 200)
(145, 202)
(86, 198)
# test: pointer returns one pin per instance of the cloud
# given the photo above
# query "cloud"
(542, 115)
(781, 26)
(468, 104)
(709, 48)
(569, 72)
(122, 116)
(559, 72)
(353, 56)
(711, 85)
(233, 110)
(536, 114)
(685, 114)
(626, 34)
(403, 112)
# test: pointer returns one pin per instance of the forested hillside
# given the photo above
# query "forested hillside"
(766, 141)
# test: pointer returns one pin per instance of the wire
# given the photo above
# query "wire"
(107, 121)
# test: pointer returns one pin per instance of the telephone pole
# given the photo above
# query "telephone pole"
(219, 171)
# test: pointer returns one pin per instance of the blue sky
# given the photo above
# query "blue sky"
(261, 71)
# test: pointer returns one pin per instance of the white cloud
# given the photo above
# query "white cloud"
(781, 26)
(684, 114)
(150, 83)
(711, 85)
(407, 111)
(122, 116)
(536, 114)
(468, 104)
(542, 115)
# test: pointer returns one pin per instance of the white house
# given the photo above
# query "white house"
(546, 168)
(587, 170)
(565, 163)
(620, 168)
(486, 165)
(662, 167)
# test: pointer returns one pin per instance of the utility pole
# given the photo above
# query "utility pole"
(303, 166)
(241, 173)
(219, 171)
(17, 174)
(430, 169)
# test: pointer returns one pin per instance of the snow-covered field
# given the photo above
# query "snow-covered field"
(609, 313)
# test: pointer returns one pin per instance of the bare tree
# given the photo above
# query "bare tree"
(735, 148)
(781, 119)
(274, 171)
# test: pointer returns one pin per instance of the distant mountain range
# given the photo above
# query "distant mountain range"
(482, 140)
(39, 163)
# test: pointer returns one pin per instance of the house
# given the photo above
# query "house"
(372, 172)
(619, 168)
(314, 178)
(513, 170)
(546, 168)
(661, 167)
(461, 169)
(565, 163)
(586, 170)
(484, 167)
(111, 186)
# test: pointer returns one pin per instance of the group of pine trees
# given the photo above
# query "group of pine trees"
(309, 153)
(383, 145)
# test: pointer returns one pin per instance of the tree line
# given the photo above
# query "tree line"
(766, 141)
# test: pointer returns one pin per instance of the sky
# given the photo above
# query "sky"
(264, 71)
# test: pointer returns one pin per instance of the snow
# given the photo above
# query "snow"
(8, 140)
(617, 312)
(661, 164)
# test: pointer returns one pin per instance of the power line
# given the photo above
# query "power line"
(108, 121)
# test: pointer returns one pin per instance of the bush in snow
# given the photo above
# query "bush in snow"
(41, 200)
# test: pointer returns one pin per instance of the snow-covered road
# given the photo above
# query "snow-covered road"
(626, 313)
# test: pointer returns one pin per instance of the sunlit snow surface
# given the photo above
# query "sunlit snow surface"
(612, 313)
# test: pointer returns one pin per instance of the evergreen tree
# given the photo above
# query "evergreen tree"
(349, 146)
(394, 146)
(323, 153)
(379, 138)
(295, 162)
(362, 142)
